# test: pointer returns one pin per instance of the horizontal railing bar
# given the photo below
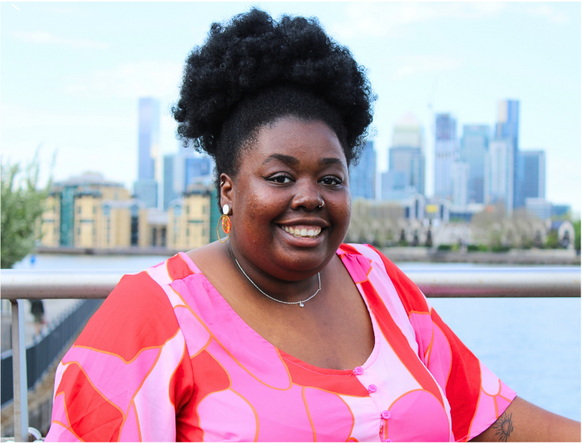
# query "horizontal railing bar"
(470, 282)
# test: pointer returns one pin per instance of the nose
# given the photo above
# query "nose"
(307, 196)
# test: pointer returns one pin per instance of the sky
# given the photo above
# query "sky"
(71, 74)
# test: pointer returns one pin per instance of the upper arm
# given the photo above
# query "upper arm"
(116, 382)
(523, 421)
(476, 396)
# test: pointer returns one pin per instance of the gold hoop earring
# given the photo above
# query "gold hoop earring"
(224, 221)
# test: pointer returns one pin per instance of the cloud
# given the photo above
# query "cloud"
(16, 117)
(409, 65)
(130, 80)
(381, 19)
(47, 38)
(549, 12)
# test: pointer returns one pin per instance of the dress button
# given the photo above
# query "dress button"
(372, 389)
(358, 370)
(385, 415)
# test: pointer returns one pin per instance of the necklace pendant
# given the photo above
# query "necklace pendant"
(301, 304)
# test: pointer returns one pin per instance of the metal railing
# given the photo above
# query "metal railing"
(46, 347)
(18, 285)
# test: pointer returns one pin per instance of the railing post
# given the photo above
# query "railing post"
(19, 372)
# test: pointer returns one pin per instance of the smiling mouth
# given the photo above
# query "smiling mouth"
(303, 231)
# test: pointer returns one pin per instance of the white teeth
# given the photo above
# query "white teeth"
(302, 232)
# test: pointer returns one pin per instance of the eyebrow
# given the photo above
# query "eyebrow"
(292, 161)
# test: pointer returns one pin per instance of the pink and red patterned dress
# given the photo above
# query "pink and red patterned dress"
(167, 359)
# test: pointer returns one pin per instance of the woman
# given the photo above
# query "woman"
(280, 333)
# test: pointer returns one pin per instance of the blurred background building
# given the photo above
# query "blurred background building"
(146, 187)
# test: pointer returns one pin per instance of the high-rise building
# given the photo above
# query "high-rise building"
(532, 170)
(445, 147)
(198, 170)
(539, 207)
(183, 169)
(507, 128)
(363, 175)
(473, 151)
(499, 173)
(406, 163)
(460, 176)
(146, 186)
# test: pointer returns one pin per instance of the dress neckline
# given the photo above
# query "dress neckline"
(217, 296)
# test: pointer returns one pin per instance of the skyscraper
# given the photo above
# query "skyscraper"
(532, 165)
(405, 175)
(499, 173)
(363, 175)
(182, 170)
(507, 128)
(146, 186)
(445, 147)
(460, 177)
(473, 151)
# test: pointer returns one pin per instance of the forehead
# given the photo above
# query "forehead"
(302, 139)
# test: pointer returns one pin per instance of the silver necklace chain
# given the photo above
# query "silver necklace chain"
(301, 303)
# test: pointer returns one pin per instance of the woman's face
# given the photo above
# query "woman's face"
(290, 199)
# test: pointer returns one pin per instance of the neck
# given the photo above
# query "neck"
(269, 286)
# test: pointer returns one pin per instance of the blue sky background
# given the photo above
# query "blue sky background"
(71, 74)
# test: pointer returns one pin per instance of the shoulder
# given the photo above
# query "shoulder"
(138, 313)
(410, 295)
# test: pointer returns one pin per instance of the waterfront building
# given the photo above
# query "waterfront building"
(532, 165)
(499, 173)
(406, 162)
(146, 186)
(445, 155)
(189, 218)
(88, 211)
(473, 151)
(363, 175)
(507, 128)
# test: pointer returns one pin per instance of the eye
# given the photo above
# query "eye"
(331, 180)
(280, 178)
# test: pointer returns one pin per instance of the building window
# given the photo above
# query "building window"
(94, 210)
(187, 209)
(78, 209)
(108, 230)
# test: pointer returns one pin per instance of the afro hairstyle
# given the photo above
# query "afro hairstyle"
(254, 70)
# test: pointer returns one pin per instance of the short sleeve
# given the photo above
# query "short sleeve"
(477, 397)
(129, 372)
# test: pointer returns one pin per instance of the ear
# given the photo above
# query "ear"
(226, 191)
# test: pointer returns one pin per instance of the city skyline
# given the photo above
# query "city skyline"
(73, 73)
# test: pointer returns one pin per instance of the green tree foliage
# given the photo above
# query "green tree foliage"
(577, 234)
(22, 207)
(552, 241)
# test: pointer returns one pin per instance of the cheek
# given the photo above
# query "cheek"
(262, 205)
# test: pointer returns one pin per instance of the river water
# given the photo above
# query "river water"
(533, 345)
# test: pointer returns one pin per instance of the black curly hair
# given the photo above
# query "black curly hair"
(254, 70)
